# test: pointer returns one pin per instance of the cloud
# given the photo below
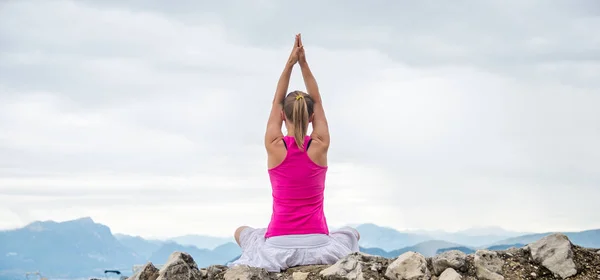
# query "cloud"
(442, 115)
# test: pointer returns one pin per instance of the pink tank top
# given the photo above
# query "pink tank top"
(298, 186)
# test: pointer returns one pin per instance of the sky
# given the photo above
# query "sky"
(149, 116)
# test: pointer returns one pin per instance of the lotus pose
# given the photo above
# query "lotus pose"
(297, 164)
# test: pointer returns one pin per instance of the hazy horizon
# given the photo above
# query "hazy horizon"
(443, 115)
(474, 231)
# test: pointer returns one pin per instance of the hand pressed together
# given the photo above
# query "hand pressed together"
(297, 54)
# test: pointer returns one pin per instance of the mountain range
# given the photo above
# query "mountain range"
(390, 239)
(68, 249)
(84, 248)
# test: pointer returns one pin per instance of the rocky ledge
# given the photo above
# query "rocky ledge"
(552, 257)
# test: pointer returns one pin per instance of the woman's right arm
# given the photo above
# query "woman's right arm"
(320, 131)
(273, 133)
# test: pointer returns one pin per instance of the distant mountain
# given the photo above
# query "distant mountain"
(474, 237)
(83, 248)
(489, 231)
(228, 250)
(373, 236)
(471, 240)
(78, 248)
(201, 241)
(391, 239)
(505, 247)
(463, 249)
(232, 260)
(588, 238)
(144, 247)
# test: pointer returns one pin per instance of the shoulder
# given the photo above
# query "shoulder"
(317, 151)
(276, 152)
(276, 145)
(318, 144)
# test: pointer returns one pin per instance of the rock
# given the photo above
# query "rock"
(244, 272)
(516, 264)
(349, 267)
(598, 252)
(180, 266)
(148, 272)
(299, 275)
(488, 265)
(450, 274)
(204, 273)
(408, 266)
(212, 271)
(555, 253)
(454, 259)
(513, 251)
(376, 266)
(356, 265)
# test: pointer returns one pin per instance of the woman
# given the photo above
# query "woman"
(297, 163)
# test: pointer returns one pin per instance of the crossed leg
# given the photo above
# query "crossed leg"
(237, 234)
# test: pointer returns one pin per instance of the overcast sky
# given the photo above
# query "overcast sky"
(149, 116)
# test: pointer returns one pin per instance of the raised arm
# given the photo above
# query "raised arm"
(320, 131)
(273, 133)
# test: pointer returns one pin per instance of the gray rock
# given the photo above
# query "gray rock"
(408, 266)
(454, 259)
(450, 274)
(376, 266)
(299, 275)
(212, 271)
(555, 253)
(244, 272)
(488, 265)
(180, 266)
(148, 272)
(512, 251)
(349, 267)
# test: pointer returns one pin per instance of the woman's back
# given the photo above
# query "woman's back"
(297, 163)
(298, 186)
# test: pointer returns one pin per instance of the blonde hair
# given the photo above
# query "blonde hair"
(298, 107)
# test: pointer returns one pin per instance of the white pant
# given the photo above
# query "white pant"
(282, 252)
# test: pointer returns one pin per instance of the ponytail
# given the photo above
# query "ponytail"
(300, 119)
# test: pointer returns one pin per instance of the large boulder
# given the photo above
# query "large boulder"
(555, 253)
(488, 265)
(180, 266)
(408, 266)
(148, 272)
(244, 272)
(450, 274)
(356, 266)
(449, 259)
